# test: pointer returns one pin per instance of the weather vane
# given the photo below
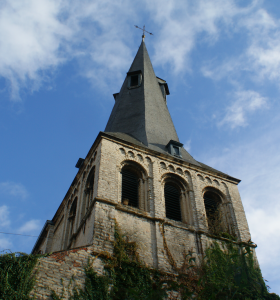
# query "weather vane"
(143, 36)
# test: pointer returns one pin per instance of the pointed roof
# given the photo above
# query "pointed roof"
(141, 112)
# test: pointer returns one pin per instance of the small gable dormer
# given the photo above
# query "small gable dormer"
(134, 79)
(164, 87)
(174, 148)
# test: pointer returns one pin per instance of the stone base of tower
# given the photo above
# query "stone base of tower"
(63, 271)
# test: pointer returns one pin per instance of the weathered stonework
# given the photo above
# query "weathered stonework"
(94, 229)
(137, 137)
(62, 271)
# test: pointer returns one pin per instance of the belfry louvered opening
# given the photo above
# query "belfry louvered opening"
(130, 188)
(172, 201)
(211, 202)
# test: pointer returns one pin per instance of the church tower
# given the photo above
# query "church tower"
(137, 173)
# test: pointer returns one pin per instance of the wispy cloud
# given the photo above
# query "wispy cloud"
(13, 189)
(30, 226)
(36, 37)
(31, 36)
(243, 104)
(185, 24)
(187, 145)
(4, 216)
(258, 58)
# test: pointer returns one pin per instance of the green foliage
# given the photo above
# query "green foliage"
(17, 278)
(131, 279)
(228, 236)
(229, 272)
(96, 287)
(226, 272)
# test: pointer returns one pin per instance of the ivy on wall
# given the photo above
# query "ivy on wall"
(230, 272)
(227, 271)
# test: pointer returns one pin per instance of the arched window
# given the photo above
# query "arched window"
(88, 191)
(212, 203)
(133, 186)
(177, 199)
(172, 195)
(130, 188)
(70, 223)
(72, 216)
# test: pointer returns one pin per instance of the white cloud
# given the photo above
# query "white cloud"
(31, 35)
(4, 216)
(38, 36)
(244, 103)
(183, 23)
(266, 58)
(260, 57)
(13, 189)
(29, 226)
(187, 145)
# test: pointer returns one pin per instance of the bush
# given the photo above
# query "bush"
(17, 278)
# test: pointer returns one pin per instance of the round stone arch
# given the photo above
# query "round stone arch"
(210, 188)
(133, 182)
(188, 175)
(218, 212)
(136, 166)
(175, 191)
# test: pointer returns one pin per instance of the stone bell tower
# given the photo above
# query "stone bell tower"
(139, 174)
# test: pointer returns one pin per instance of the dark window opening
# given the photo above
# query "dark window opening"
(89, 189)
(130, 188)
(163, 91)
(172, 202)
(211, 202)
(174, 148)
(73, 209)
(134, 80)
(72, 216)
(176, 151)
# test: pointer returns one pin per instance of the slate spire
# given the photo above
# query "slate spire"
(140, 111)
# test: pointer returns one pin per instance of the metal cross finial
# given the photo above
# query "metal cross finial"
(143, 36)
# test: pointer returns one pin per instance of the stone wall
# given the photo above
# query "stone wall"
(159, 245)
(61, 271)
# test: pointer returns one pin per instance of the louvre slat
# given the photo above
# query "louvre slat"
(211, 205)
(130, 188)
(172, 202)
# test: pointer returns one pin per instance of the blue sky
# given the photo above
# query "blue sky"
(61, 61)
